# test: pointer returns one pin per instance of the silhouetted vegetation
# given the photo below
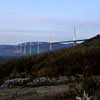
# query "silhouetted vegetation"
(69, 61)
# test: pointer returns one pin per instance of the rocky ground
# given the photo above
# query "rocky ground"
(38, 93)
(60, 88)
(42, 81)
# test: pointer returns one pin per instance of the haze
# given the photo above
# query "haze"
(48, 20)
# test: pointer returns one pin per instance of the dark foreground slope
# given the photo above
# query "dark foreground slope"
(69, 61)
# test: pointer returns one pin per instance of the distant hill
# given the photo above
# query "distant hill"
(18, 50)
(80, 59)
(95, 41)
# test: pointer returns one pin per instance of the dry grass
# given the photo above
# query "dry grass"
(60, 92)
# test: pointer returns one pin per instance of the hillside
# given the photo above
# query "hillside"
(95, 41)
(11, 51)
(84, 58)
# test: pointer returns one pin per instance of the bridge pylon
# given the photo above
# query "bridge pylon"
(25, 47)
(30, 48)
(38, 47)
(74, 37)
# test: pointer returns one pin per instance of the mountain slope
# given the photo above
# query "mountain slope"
(84, 58)
(95, 41)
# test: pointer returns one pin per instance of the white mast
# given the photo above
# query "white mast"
(74, 36)
(20, 49)
(24, 48)
(38, 47)
(50, 46)
(50, 43)
(30, 49)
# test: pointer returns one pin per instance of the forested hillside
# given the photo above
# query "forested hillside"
(69, 61)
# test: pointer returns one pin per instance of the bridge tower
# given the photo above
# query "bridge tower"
(30, 49)
(20, 49)
(50, 43)
(38, 47)
(50, 46)
(74, 37)
(24, 49)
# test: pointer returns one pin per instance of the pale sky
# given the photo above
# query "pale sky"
(45, 20)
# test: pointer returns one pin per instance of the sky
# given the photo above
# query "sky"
(48, 20)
